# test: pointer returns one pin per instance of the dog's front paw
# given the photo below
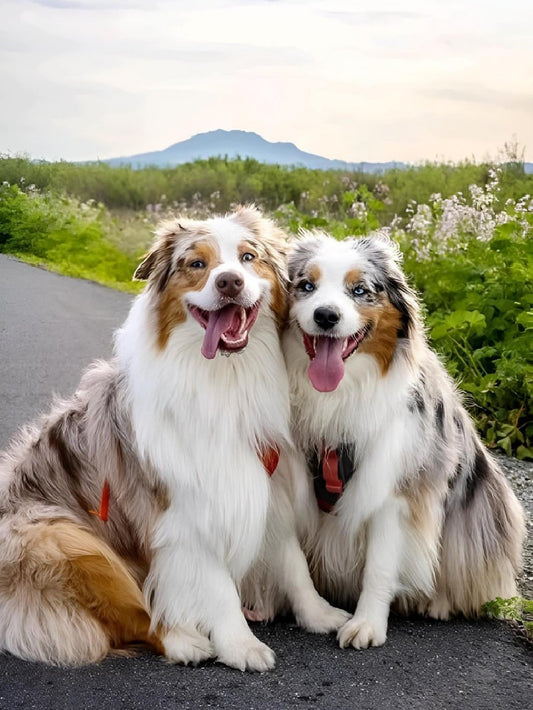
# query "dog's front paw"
(186, 645)
(362, 633)
(247, 655)
(320, 617)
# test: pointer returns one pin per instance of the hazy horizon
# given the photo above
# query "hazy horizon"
(411, 81)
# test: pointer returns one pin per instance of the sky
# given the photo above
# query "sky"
(358, 80)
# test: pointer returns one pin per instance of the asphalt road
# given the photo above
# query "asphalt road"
(50, 328)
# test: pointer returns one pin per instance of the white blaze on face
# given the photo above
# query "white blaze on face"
(333, 261)
(227, 320)
(327, 270)
(227, 235)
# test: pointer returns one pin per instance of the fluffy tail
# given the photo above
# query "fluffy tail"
(482, 540)
(65, 597)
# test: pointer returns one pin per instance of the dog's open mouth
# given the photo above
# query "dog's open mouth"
(327, 356)
(226, 329)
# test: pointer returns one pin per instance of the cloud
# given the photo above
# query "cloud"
(89, 4)
(358, 17)
(104, 77)
(476, 94)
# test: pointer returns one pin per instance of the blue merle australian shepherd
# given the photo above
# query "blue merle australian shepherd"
(404, 504)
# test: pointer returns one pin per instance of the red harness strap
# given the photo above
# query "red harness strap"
(330, 476)
(270, 459)
(103, 513)
(330, 471)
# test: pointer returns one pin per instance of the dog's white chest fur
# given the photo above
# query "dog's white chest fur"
(201, 424)
(356, 412)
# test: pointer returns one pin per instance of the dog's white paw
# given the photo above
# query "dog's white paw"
(320, 617)
(186, 645)
(362, 633)
(247, 655)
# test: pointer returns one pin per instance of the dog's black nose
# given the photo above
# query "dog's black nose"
(326, 318)
(229, 284)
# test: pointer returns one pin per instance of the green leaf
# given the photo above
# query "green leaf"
(525, 319)
(505, 444)
(523, 452)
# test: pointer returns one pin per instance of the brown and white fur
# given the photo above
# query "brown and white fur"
(427, 519)
(176, 430)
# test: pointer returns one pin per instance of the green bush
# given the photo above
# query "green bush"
(466, 232)
(217, 183)
(61, 233)
(473, 267)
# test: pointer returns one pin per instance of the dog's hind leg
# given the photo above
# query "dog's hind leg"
(482, 541)
(65, 597)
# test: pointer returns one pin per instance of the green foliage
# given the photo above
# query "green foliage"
(476, 280)
(516, 609)
(61, 233)
(217, 183)
(465, 231)
(479, 303)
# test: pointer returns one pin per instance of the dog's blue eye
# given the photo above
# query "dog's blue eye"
(359, 291)
(197, 264)
(247, 256)
(306, 286)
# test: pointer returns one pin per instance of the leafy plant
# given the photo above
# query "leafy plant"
(466, 232)
(61, 233)
(516, 609)
(475, 275)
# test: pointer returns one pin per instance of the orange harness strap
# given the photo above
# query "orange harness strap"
(103, 513)
(270, 459)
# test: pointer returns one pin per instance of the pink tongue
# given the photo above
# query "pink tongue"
(326, 370)
(226, 319)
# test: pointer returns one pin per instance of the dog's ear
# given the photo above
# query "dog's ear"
(302, 249)
(386, 258)
(378, 247)
(145, 268)
(158, 264)
(271, 237)
(251, 218)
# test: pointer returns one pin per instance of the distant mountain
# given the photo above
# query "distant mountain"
(242, 144)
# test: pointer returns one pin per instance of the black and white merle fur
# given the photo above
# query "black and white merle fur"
(427, 519)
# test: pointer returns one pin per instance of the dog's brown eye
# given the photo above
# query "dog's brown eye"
(247, 256)
(197, 264)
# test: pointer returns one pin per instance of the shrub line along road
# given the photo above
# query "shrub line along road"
(51, 327)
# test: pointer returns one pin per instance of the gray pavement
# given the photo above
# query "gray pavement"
(51, 327)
